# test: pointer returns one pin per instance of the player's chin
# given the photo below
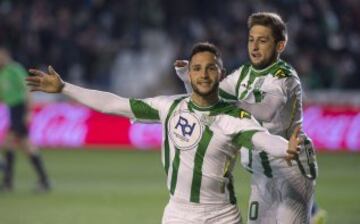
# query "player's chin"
(258, 63)
(255, 60)
(205, 91)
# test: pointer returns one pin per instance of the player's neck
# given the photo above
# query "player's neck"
(266, 67)
(205, 101)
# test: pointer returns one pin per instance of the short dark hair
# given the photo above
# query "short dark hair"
(271, 20)
(206, 47)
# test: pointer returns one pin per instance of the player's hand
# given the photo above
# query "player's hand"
(294, 145)
(181, 63)
(46, 82)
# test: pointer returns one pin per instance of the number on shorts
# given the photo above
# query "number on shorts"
(253, 210)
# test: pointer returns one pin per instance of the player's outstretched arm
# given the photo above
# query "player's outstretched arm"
(105, 102)
(278, 146)
(46, 82)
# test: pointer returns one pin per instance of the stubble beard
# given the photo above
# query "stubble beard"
(265, 63)
(212, 91)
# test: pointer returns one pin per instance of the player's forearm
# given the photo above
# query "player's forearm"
(104, 102)
(272, 144)
(182, 73)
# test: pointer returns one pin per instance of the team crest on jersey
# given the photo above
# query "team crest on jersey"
(207, 120)
(259, 83)
(185, 130)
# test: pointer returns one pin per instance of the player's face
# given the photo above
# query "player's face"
(205, 73)
(261, 46)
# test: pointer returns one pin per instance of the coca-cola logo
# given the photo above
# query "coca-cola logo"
(60, 124)
(333, 130)
(145, 136)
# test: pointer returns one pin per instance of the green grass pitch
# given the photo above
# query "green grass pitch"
(129, 187)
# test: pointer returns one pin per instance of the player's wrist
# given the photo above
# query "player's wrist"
(181, 72)
(61, 86)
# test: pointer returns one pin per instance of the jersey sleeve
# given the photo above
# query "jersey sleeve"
(150, 109)
(254, 137)
(282, 83)
(244, 128)
(105, 102)
(228, 85)
(292, 85)
(273, 144)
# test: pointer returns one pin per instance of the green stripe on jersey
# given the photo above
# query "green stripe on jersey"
(230, 188)
(198, 163)
(250, 160)
(175, 170)
(258, 95)
(166, 142)
(143, 110)
(252, 78)
(225, 95)
(266, 164)
(244, 139)
(243, 73)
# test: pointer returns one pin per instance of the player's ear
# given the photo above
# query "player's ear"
(280, 46)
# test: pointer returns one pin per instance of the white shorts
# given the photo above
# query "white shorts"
(177, 212)
(283, 199)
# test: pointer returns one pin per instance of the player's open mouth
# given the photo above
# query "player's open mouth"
(255, 55)
(204, 83)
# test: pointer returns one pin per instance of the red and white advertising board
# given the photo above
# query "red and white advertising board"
(67, 125)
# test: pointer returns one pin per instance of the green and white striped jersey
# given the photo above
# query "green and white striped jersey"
(200, 145)
(278, 81)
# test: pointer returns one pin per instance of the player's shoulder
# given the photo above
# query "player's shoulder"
(230, 109)
(171, 98)
(283, 70)
(246, 66)
(162, 102)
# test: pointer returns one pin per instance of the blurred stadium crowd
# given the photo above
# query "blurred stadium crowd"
(128, 46)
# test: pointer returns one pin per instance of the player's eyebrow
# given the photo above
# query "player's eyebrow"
(212, 64)
(206, 65)
(261, 36)
(195, 65)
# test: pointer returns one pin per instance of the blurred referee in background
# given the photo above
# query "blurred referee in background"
(14, 94)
